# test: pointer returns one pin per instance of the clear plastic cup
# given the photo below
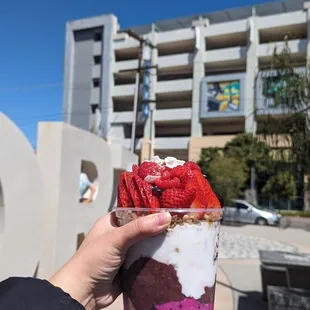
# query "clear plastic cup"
(176, 269)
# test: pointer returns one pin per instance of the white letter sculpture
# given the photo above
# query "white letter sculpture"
(43, 216)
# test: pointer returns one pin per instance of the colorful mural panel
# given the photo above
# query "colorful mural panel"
(224, 96)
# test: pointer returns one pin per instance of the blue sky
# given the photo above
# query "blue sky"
(32, 47)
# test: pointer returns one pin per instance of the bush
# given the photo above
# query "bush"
(295, 213)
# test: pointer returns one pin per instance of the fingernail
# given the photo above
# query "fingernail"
(163, 218)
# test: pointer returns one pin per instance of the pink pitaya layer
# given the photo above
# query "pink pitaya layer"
(187, 303)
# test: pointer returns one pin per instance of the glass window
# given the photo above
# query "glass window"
(97, 36)
(241, 206)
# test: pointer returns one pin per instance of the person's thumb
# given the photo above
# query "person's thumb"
(142, 228)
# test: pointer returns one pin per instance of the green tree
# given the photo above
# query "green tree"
(249, 150)
(207, 156)
(227, 176)
(253, 153)
(292, 95)
(281, 185)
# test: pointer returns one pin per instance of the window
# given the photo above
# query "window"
(96, 82)
(240, 206)
(94, 107)
(97, 36)
(97, 60)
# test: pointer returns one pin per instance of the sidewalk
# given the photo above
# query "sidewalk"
(245, 283)
(300, 222)
(223, 295)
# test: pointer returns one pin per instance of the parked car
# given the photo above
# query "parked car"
(244, 212)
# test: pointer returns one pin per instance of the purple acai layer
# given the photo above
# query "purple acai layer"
(187, 303)
(149, 284)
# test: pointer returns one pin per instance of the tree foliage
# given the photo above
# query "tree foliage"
(292, 96)
(229, 169)
(207, 156)
(249, 150)
(227, 176)
(281, 185)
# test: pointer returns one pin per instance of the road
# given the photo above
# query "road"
(294, 237)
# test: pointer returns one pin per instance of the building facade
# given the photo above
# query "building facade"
(207, 85)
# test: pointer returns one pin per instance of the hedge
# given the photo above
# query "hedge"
(295, 213)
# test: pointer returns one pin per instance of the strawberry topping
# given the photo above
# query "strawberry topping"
(123, 198)
(177, 198)
(149, 168)
(132, 188)
(152, 185)
(192, 166)
(205, 197)
(146, 192)
(166, 184)
(135, 169)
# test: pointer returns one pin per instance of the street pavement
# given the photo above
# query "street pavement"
(299, 222)
(234, 245)
(294, 237)
(244, 276)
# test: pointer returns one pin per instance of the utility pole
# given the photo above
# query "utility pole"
(136, 101)
(138, 81)
(152, 108)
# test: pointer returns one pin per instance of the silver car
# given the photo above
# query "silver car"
(243, 212)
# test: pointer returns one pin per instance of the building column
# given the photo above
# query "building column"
(252, 69)
(147, 145)
(198, 74)
(107, 78)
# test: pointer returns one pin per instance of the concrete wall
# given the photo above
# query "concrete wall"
(82, 80)
(42, 216)
(198, 143)
(80, 69)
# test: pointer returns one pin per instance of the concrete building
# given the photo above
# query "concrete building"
(208, 82)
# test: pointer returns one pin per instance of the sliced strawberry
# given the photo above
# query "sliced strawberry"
(133, 190)
(123, 198)
(166, 175)
(205, 198)
(135, 169)
(145, 189)
(153, 200)
(192, 166)
(166, 184)
(149, 168)
(177, 198)
(178, 171)
(140, 184)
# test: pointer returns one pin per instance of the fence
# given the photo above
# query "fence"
(281, 204)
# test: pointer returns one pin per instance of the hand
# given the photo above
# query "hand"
(90, 276)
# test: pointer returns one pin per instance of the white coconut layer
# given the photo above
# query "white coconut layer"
(170, 162)
(190, 249)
